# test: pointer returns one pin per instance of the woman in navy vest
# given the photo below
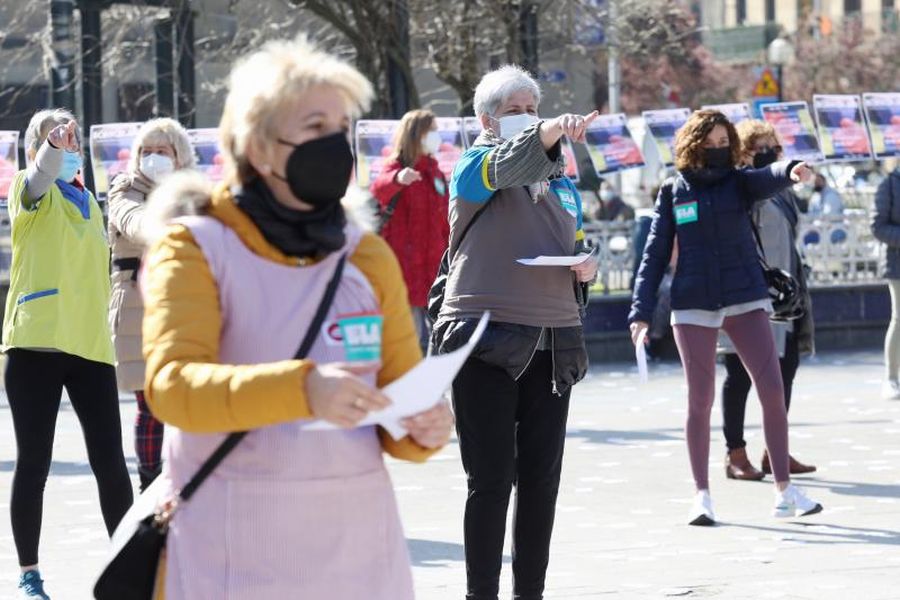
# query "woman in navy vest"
(718, 284)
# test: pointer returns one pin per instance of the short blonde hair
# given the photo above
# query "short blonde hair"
(42, 123)
(163, 131)
(265, 83)
(751, 131)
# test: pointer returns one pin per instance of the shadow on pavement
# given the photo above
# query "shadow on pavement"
(67, 468)
(614, 436)
(850, 488)
(829, 534)
(430, 553)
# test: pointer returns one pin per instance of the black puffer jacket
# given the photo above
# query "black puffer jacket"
(511, 347)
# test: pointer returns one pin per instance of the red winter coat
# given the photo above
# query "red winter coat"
(419, 230)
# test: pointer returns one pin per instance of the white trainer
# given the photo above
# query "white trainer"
(702, 510)
(792, 502)
(890, 390)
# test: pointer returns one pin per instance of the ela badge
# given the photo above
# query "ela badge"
(567, 200)
(439, 186)
(361, 335)
(685, 212)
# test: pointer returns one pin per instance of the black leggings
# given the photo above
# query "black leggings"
(736, 388)
(34, 384)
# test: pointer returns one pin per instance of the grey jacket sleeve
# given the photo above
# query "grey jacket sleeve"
(523, 160)
(41, 174)
(883, 228)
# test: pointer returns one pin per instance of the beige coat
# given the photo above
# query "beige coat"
(127, 230)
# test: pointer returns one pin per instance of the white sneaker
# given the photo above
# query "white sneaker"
(701, 510)
(792, 502)
(890, 390)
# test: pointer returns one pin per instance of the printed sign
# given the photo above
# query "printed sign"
(662, 125)
(842, 128)
(795, 127)
(571, 162)
(611, 146)
(110, 153)
(766, 86)
(373, 146)
(452, 146)
(210, 161)
(361, 335)
(471, 130)
(883, 119)
(737, 112)
(9, 162)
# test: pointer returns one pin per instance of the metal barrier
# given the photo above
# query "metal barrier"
(840, 250)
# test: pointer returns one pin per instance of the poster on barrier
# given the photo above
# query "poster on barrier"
(373, 146)
(736, 112)
(842, 129)
(9, 162)
(452, 145)
(110, 153)
(471, 130)
(611, 145)
(662, 125)
(571, 161)
(796, 129)
(883, 119)
(205, 143)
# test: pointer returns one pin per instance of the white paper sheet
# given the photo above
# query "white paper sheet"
(554, 261)
(419, 390)
(640, 354)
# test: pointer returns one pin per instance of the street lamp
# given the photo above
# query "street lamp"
(781, 52)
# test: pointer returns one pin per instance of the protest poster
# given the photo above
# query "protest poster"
(611, 146)
(9, 162)
(842, 129)
(452, 145)
(882, 113)
(662, 125)
(210, 161)
(571, 161)
(373, 146)
(796, 130)
(736, 112)
(110, 153)
(471, 130)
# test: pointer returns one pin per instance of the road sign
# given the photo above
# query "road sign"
(766, 85)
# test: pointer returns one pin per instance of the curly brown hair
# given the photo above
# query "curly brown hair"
(690, 138)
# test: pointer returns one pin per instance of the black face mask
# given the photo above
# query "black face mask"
(318, 171)
(764, 158)
(717, 158)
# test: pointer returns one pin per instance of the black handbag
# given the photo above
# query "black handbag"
(134, 562)
(788, 300)
(436, 292)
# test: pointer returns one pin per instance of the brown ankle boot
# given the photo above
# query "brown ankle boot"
(738, 466)
(796, 467)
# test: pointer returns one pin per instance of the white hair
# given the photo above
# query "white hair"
(42, 123)
(163, 131)
(498, 85)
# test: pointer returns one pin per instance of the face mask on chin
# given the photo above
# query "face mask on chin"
(512, 125)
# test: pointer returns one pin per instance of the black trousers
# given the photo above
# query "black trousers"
(34, 384)
(510, 433)
(736, 388)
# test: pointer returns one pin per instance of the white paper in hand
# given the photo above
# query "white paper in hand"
(420, 389)
(554, 261)
(640, 354)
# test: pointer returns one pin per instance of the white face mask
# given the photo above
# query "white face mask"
(607, 195)
(156, 166)
(512, 125)
(432, 142)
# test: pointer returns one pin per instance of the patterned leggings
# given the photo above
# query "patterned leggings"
(148, 437)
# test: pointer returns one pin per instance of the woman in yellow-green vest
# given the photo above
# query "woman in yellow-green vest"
(56, 334)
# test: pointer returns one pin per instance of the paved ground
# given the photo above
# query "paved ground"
(621, 529)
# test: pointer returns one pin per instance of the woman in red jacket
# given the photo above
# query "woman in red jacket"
(418, 228)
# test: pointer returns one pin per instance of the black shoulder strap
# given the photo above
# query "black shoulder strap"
(469, 225)
(234, 438)
(388, 212)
